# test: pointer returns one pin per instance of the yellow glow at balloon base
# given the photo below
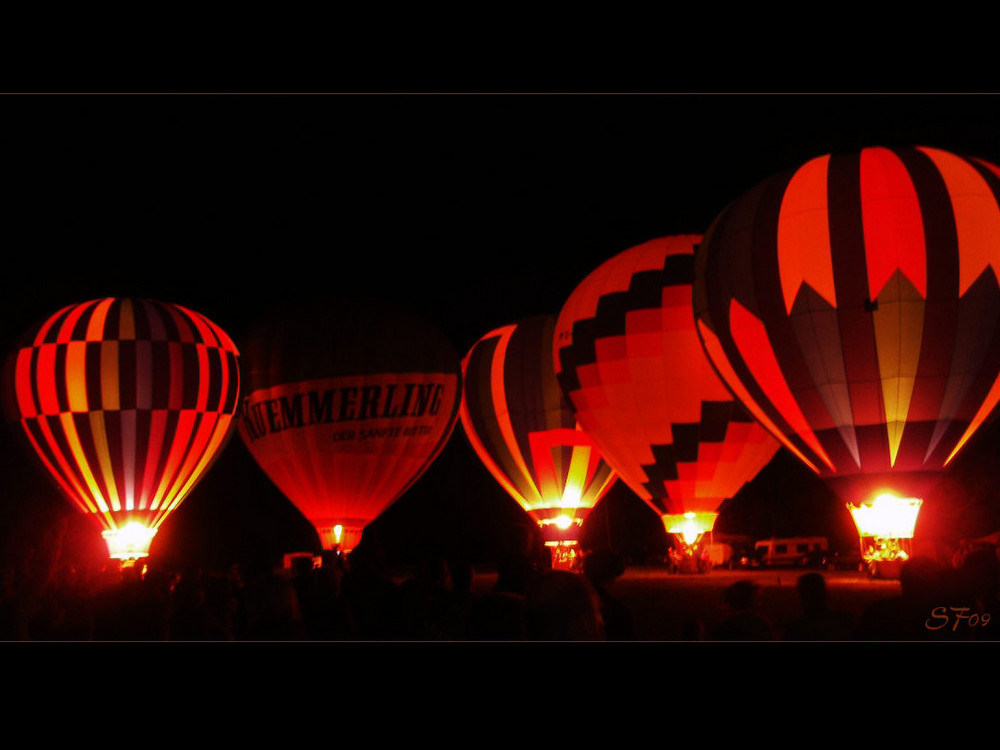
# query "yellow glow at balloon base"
(130, 542)
(690, 526)
(339, 536)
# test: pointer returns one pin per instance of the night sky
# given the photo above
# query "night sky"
(473, 209)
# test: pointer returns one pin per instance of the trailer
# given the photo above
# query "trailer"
(794, 550)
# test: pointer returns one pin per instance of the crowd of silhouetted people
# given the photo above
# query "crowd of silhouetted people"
(353, 598)
(357, 597)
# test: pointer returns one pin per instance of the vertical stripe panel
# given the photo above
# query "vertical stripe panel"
(49, 330)
(143, 375)
(892, 223)
(803, 239)
(109, 375)
(76, 375)
(126, 320)
(97, 320)
(128, 440)
(977, 216)
(24, 383)
(45, 379)
(176, 382)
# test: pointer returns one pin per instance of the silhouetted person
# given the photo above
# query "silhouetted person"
(743, 623)
(817, 622)
(324, 613)
(514, 573)
(562, 606)
(272, 608)
(905, 617)
(499, 615)
(978, 585)
(36, 560)
(602, 568)
(692, 629)
(370, 595)
(430, 608)
(980, 576)
(203, 608)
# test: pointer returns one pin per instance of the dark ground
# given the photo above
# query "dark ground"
(662, 603)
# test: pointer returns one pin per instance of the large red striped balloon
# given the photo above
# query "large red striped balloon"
(524, 431)
(630, 362)
(347, 404)
(852, 304)
(126, 402)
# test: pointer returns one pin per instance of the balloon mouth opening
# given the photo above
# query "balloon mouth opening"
(129, 542)
(561, 528)
(340, 536)
(689, 527)
(886, 516)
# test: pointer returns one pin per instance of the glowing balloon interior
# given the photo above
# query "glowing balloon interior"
(524, 431)
(347, 404)
(126, 402)
(852, 304)
(630, 362)
(887, 516)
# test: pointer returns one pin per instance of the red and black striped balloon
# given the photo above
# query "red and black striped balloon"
(125, 401)
(852, 304)
(524, 430)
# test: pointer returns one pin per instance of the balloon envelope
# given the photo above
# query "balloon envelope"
(126, 402)
(524, 431)
(852, 304)
(629, 360)
(347, 404)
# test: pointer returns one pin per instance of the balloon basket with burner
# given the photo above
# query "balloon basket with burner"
(689, 558)
(562, 543)
(690, 533)
(885, 529)
(884, 557)
(128, 547)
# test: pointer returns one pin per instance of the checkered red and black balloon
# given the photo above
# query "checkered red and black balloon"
(629, 360)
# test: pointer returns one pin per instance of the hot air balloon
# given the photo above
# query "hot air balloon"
(524, 431)
(126, 402)
(852, 305)
(347, 404)
(629, 361)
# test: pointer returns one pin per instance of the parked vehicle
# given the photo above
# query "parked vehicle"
(788, 550)
(839, 560)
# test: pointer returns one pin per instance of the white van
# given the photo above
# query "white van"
(788, 550)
